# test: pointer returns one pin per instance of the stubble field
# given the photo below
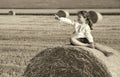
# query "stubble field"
(22, 37)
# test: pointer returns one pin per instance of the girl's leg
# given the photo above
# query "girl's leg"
(104, 49)
(75, 41)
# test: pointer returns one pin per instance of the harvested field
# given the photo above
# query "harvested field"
(53, 11)
(22, 37)
(59, 4)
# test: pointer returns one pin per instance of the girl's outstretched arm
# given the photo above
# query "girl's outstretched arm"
(64, 20)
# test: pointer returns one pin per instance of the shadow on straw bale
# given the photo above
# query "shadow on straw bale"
(65, 62)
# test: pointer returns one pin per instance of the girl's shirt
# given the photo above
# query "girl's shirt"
(81, 30)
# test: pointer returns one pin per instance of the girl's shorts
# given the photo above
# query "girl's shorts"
(83, 40)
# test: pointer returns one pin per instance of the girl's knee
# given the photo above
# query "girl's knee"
(73, 41)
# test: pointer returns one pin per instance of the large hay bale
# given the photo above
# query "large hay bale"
(65, 62)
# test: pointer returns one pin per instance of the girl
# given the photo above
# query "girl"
(82, 35)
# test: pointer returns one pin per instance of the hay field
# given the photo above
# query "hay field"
(37, 4)
(22, 37)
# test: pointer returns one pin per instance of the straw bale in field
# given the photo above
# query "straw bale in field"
(65, 62)
(11, 12)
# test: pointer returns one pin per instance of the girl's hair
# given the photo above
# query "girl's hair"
(86, 15)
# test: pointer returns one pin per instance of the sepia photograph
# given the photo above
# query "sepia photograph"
(59, 38)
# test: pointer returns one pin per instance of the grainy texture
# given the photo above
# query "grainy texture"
(59, 4)
(65, 62)
(22, 37)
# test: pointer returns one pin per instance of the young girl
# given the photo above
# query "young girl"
(82, 35)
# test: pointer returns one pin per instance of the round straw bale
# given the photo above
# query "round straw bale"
(65, 62)
(95, 16)
(62, 13)
(11, 12)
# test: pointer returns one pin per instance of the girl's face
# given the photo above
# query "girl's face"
(81, 19)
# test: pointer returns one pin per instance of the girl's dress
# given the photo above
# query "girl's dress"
(82, 31)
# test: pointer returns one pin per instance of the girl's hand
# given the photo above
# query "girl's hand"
(57, 17)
